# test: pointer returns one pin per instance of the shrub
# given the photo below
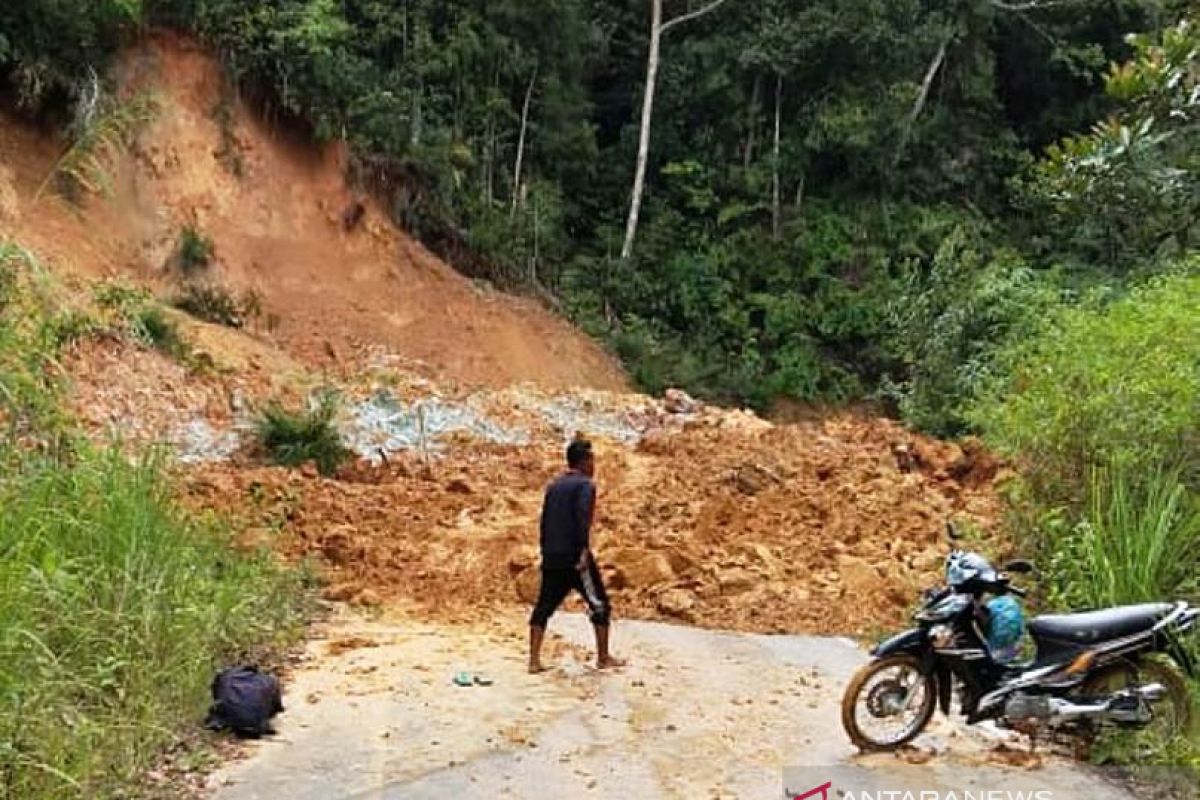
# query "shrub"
(151, 326)
(195, 250)
(951, 320)
(68, 328)
(217, 305)
(292, 438)
(1103, 385)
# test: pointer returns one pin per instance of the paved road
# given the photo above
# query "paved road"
(697, 714)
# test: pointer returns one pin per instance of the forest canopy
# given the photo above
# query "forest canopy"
(843, 200)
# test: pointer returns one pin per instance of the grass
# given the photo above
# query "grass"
(195, 250)
(151, 326)
(97, 141)
(1139, 542)
(115, 609)
(116, 604)
(291, 438)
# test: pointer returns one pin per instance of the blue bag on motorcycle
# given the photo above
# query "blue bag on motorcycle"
(1006, 625)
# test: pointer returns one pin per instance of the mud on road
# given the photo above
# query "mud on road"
(697, 713)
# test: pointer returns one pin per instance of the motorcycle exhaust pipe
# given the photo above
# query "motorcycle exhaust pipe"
(1152, 692)
(1065, 711)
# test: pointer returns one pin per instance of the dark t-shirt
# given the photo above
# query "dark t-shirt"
(567, 520)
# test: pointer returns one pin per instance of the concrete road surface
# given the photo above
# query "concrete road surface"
(374, 715)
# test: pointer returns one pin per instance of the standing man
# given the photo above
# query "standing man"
(567, 561)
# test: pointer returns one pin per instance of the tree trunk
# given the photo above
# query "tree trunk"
(775, 205)
(657, 29)
(639, 175)
(922, 96)
(752, 123)
(516, 195)
(799, 204)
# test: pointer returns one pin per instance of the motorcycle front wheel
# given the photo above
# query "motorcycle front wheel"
(888, 703)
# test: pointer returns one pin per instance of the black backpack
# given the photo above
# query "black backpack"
(244, 700)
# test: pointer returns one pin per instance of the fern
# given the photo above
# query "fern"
(87, 162)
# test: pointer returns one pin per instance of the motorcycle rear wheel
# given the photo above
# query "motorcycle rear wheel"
(1172, 716)
(861, 694)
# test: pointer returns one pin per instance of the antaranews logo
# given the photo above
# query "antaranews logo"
(822, 793)
(856, 782)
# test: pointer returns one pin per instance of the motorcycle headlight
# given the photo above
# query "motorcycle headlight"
(941, 636)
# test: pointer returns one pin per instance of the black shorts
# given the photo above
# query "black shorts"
(558, 583)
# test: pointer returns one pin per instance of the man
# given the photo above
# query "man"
(567, 561)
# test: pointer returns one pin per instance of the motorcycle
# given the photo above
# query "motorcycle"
(1117, 666)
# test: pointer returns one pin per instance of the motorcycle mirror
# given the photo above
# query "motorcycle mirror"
(1020, 566)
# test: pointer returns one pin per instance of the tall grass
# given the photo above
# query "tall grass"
(115, 607)
(116, 604)
(1139, 542)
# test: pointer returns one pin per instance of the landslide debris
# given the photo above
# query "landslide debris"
(714, 517)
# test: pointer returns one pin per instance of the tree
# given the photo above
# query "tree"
(657, 29)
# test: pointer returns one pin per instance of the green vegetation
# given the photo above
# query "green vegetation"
(982, 214)
(133, 311)
(293, 438)
(213, 303)
(116, 604)
(1104, 384)
(103, 128)
(1137, 543)
(195, 250)
(116, 608)
(806, 164)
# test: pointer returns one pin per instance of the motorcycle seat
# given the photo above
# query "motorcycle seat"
(1090, 627)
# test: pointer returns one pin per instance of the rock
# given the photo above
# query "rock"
(753, 478)
(367, 598)
(681, 561)
(309, 469)
(613, 577)
(340, 592)
(640, 569)
(522, 558)
(527, 584)
(905, 461)
(677, 603)
(459, 486)
(736, 580)
(858, 577)
(755, 552)
(677, 401)
(339, 546)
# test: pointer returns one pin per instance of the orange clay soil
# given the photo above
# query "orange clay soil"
(328, 294)
(827, 527)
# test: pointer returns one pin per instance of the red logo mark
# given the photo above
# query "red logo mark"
(822, 791)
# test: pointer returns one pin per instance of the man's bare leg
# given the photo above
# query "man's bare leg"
(536, 635)
(605, 659)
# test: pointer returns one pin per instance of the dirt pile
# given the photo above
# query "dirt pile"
(706, 515)
(272, 207)
(727, 522)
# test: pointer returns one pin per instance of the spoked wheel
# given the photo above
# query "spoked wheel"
(887, 703)
(1170, 717)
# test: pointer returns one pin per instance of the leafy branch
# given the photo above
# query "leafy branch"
(108, 132)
